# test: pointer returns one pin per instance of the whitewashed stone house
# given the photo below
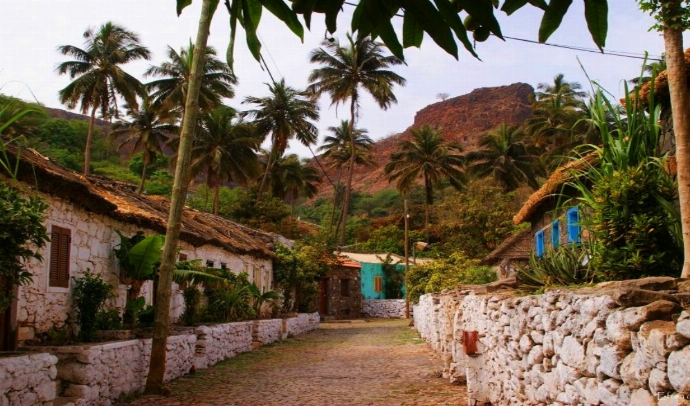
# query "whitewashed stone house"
(83, 216)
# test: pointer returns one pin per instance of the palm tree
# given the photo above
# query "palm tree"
(292, 178)
(99, 77)
(149, 128)
(170, 92)
(225, 148)
(336, 149)
(429, 157)
(507, 157)
(285, 114)
(346, 72)
(556, 109)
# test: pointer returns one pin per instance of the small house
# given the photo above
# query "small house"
(339, 290)
(510, 254)
(83, 216)
(551, 224)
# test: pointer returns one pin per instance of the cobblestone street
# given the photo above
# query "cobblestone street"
(341, 364)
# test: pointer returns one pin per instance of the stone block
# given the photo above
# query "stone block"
(678, 370)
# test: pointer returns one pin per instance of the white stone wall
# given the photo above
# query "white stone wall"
(222, 341)
(269, 331)
(561, 348)
(42, 308)
(303, 323)
(28, 379)
(384, 308)
(98, 374)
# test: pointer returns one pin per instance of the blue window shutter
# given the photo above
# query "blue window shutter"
(555, 233)
(539, 240)
(574, 225)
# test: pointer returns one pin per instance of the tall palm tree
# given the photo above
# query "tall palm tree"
(149, 128)
(292, 178)
(336, 150)
(429, 157)
(556, 109)
(507, 157)
(348, 71)
(225, 148)
(99, 77)
(283, 115)
(170, 91)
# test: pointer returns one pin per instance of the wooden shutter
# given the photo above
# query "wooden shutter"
(60, 242)
(378, 284)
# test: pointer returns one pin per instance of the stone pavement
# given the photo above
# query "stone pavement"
(362, 363)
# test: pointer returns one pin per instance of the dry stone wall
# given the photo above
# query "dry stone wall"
(99, 374)
(384, 308)
(222, 341)
(28, 380)
(594, 347)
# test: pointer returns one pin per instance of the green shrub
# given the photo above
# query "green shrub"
(192, 300)
(445, 274)
(394, 278)
(108, 320)
(22, 234)
(567, 265)
(90, 293)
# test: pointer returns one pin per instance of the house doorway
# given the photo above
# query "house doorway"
(8, 326)
(323, 297)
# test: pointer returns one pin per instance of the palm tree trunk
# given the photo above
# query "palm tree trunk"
(143, 175)
(351, 169)
(216, 196)
(89, 141)
(680, 108)
(265, 177)
(208, 186)
(428, 201)
(154, 381)
(335, 203)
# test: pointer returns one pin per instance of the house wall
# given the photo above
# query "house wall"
(42, 307)
(344, 306)
(544, 222)
(369, 272)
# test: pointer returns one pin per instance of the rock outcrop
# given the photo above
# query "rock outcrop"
(462, 119)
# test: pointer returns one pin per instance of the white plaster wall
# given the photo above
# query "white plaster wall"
(42, 308)
(561, 348)
(28, 380)
(268, 331)
(222, 341)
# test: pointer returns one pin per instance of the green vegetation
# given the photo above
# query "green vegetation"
(89, 293)
(446, 273)
(566, 266)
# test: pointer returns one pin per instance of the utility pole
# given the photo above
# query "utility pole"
(407, 262)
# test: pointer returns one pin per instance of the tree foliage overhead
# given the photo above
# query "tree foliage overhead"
(440, 20)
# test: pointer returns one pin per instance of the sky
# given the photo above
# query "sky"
(31, 31)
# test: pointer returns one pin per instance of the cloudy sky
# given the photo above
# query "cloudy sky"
(31, 30)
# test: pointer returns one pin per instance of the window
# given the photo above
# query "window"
(345, 287)
(209, 263)
(182, 257)
(574, 225)
(555, 233)
(378, 284)
(539, 241)
(223, 266)
(60, 240)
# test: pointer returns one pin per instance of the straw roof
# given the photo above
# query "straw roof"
(553, 186)
(660, 84)
(118, 201)
(517, 246)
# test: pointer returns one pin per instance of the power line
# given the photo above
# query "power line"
(622, 54)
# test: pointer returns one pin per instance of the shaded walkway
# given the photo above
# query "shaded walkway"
(341, 364)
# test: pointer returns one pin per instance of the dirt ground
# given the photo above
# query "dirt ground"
(362, 363)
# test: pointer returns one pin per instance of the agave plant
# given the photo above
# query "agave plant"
(567, 265)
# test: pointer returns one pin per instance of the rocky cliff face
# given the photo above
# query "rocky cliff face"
(462, 119)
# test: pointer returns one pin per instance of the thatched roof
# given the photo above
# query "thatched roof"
(117, 200)
(553, 186)
(517, 246)
(660, 84)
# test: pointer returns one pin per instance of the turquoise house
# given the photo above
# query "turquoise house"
(373, 280)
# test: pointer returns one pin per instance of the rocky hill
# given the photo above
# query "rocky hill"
(462, 119)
